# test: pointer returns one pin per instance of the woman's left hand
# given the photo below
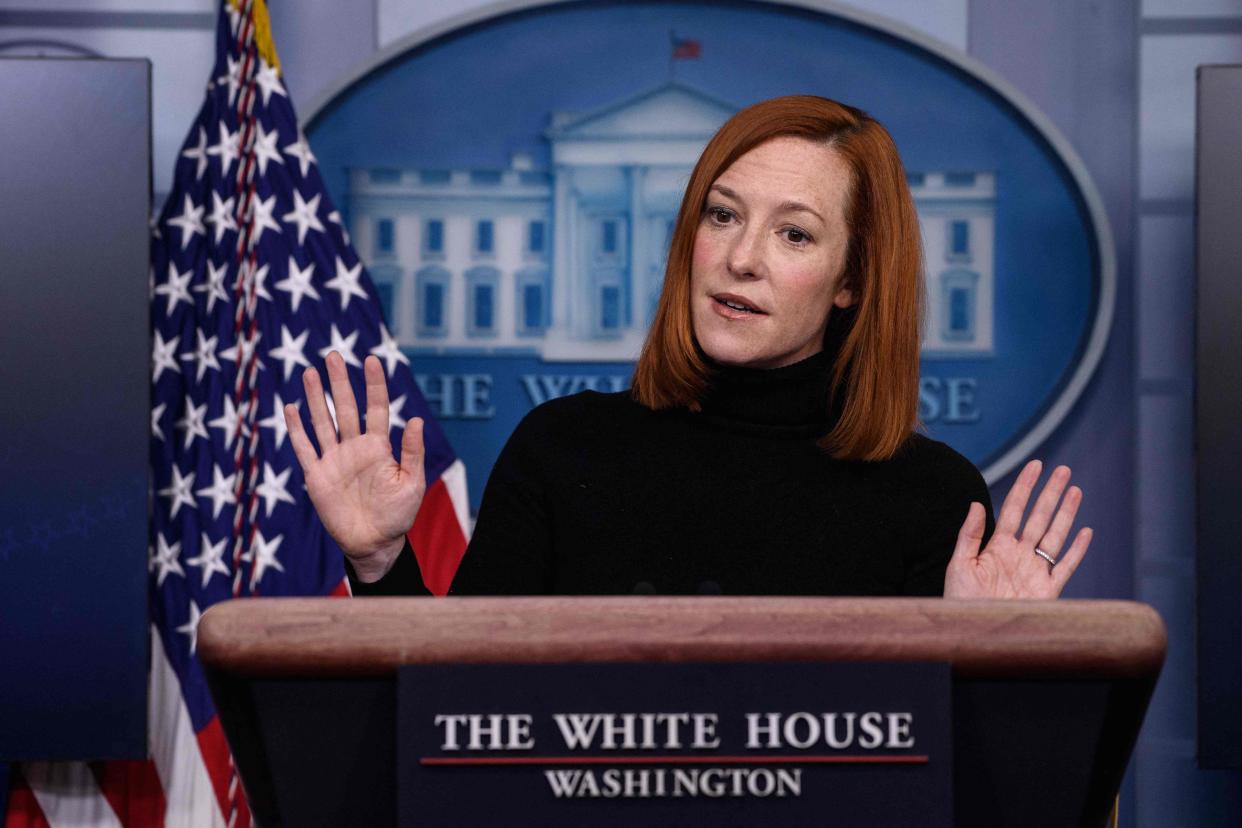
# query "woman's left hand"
(1011, 565)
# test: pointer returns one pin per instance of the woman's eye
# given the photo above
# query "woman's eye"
(795, 235)
(719, 215)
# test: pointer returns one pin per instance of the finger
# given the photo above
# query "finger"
(412, 447)
(1073, 556)
(1054, 538)
(1015, 502)
(377, 396)
(970, 536)
(321, 420)
(302, 447)
(343, 396)
(1045, 505)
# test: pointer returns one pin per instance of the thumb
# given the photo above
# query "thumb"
(970, 535)
(412, 450)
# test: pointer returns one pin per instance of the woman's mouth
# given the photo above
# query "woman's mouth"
(735, 307)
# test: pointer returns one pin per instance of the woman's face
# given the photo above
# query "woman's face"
(769, 253)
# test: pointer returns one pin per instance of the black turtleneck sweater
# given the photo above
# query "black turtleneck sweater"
(594, 494)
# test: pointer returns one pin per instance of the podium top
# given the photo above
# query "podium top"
(270, 637)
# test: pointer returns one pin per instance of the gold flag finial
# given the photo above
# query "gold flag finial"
(262, 30)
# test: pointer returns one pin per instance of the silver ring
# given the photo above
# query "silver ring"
(1051, 561)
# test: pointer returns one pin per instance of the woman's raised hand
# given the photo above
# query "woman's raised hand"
(366, 500)
(1020, 561)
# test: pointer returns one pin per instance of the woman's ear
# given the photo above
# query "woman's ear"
(844, 298)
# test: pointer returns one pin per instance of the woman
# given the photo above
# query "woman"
(768, 444)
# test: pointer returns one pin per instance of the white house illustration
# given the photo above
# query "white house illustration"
(566, 264)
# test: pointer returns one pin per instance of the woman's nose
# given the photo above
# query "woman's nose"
(746, 256)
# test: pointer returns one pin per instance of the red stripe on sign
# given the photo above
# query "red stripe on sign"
(133, 789)
(437, 539)
(219, 764)
(23, 810)
(889, 759)
(341, 590)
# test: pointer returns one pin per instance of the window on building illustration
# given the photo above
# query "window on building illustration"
(385, 176)
(532, 302)
(609, 307)
(535, 237)
(959, 240)
(435, 176)
(915, 179)
(385, 236)
(485, 177)
(608, 236)
(385, 292)
(483, 236)
(386, 278)
(433, 236)
(431, 287)
(481, 286)
(958, 296)
(959, 179)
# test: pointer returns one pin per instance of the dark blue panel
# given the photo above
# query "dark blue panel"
(73, 467)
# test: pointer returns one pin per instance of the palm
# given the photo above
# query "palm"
(366, 500)
(1009, 566)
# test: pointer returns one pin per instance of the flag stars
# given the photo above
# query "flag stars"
(232, 75)
(263, 217)
(228, 148)
(344, 345)
(204, 354)
(210, 558)
(176, 289)
(335, 218)
(220, 492)
(268, 80)
(346, 282)
(265, 148)
(276, 421)
(300, 149)
(190, 222)
(221, 217)
(244, 348)
(156, 414)
(214, 286)
(262, 553)
(291, 351)
(274, 488)
(298, 283)
(164, 558)
(190, 627)
(179, 491)
(192, 423)
(304, 215)
(164, 356)
(388, 351)
(198, 154)
(395, 420)
(228, 422)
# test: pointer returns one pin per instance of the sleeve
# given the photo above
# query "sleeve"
(945, 484)
(405, 578)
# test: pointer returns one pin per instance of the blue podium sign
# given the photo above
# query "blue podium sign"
(720, 744)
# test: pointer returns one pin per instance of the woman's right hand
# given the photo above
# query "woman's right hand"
(366, 500)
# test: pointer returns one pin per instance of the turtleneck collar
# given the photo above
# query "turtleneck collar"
(790, 399)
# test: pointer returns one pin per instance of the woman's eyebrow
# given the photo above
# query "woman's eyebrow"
(783, 207)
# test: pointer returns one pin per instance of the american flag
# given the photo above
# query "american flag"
(253, 279)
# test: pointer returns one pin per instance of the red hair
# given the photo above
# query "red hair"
(877, 366)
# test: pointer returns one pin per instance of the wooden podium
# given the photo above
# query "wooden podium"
(1047, 696)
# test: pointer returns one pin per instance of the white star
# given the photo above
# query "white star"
(276, 422)
(265, 148)
(198, 153)
(190, 221)
(219, 492)
(210, 559)
(263, 217)
(245, 349)
(258, 288)
(291, 351)
(177, 288)
(204, 354)
(346, 282)
(233, 75)
(227, 422)
(274, 488)
(263, 553)
(304, 215)
(190, 627)
(164, 355)
(156, 414)
(388, 351)
(268, 80)
(227, 148)
(221, 218)
(179, 491)
(298, 283)
(395, 420)
(166, 560)
(214, 286)
(335, 218)
(192, 422)
(301, 150)
(344, 345)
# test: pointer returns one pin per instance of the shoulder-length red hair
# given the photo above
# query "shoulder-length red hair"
(877, 367)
